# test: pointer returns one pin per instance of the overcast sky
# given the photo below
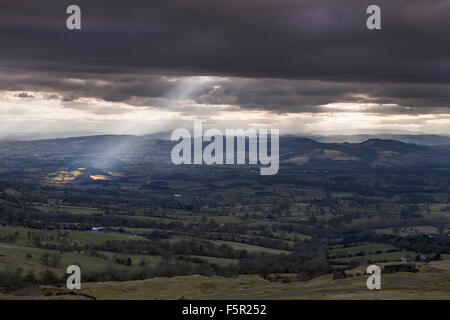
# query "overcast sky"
(303, 66)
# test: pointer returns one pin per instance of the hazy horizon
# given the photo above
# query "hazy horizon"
(165, 135)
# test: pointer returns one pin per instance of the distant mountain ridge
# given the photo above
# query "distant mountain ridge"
(370, 153)
(111, 151)
(420, 139)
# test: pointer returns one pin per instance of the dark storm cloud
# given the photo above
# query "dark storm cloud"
(277, 95)
(284, 55)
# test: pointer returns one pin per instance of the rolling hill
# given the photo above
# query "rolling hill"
(110, 151)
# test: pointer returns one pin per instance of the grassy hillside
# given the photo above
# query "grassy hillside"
(431, 282)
